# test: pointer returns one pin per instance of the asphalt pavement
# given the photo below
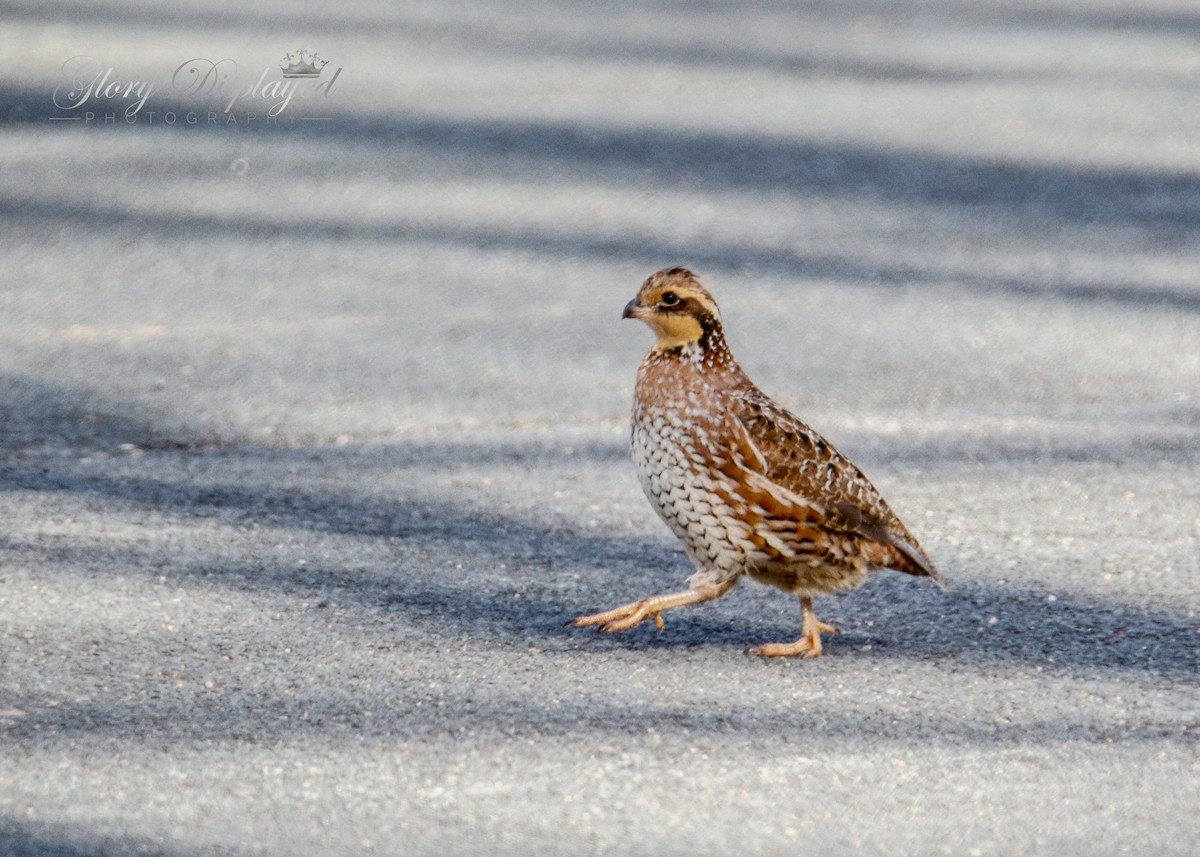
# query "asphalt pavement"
(313, 425)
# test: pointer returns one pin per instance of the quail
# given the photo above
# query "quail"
(748, 488)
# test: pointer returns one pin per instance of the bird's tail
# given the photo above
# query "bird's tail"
(904, 555)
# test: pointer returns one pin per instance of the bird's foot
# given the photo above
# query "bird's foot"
(621, 618)
(808, 646)
(628, 615)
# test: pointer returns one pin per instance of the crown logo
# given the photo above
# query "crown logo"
(302, 63)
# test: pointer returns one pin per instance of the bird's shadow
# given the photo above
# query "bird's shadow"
(524, 574)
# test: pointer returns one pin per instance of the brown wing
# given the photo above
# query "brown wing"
(799, 460)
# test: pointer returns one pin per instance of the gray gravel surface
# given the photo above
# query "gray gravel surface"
(312, 433)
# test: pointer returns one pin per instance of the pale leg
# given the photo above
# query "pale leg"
(809, 644)
(628, 615)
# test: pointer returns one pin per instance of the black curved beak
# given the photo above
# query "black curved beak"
(629, 308)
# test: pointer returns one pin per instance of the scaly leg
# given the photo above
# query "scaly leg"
(809, 644)
(628, 615)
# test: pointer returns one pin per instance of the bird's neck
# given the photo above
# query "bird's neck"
(709, 354)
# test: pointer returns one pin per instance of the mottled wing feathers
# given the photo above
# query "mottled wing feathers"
(803, 464)
(777, 522)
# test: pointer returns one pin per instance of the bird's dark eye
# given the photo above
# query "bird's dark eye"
(669, 299)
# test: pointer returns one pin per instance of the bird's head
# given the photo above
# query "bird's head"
(678, 309)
